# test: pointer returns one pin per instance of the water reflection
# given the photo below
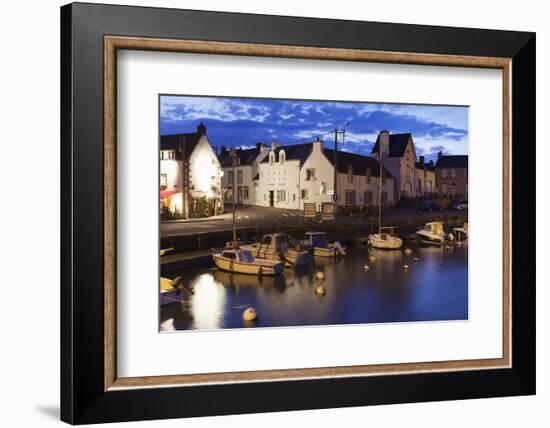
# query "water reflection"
(435, 287)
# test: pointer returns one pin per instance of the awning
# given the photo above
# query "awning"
(167, 193)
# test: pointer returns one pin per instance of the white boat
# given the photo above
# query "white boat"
(432, 233)
(385, 240)
(320, 246)
(170, 291)
(461, 233)
(275, 246)
(242, 261)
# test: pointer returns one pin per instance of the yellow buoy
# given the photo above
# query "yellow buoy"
(372, 258)
(320, 275)
(405, 266)
(366, 267)
(320, 290)
(408, 251)
(250, 314)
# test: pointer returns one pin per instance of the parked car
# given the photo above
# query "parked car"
(430, 207)
(458, 205)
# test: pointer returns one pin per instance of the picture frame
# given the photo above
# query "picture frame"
(91, 391)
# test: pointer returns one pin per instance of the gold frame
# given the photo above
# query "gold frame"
(112, 43)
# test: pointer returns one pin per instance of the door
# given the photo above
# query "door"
(271, 197)
(240, 195)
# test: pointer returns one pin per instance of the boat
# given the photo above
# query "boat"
(385, 239)
(275, 246)
(238, 260)
(432, 233)
(461, 233)
(170, 291)
(318, 243)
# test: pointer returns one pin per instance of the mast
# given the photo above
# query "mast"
(233, 155)
(380, 193)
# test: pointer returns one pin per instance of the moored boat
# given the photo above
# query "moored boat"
(275, 246)
(385, 240)
(318, 243)
(432, 233)
(242, 261)
(170, 291)
(461, 233)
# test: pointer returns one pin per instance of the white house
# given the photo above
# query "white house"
(243, 175)
(290, 176)
(190, 176)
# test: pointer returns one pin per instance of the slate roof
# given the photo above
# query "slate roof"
(398, 144)
(452, 161)
(429, 166)
(295, 152)
(246, 156)
(360, 163)
(187, 142)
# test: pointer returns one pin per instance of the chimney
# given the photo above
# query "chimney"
(421, 159)
(201, 129)
(318, 145)
(275, 146)
(384, 144)
(439, 155)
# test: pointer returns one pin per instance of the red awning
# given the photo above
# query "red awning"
(167, 193)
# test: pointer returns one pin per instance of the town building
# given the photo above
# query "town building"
(190, 176)
(451, 172)
(290, 176)
(425, 182)
(244, 175)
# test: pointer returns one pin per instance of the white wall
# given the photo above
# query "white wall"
(324, 173)
(276, 177)
(204, 169)
(30, 99)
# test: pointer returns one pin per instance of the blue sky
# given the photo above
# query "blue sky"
(246, 121)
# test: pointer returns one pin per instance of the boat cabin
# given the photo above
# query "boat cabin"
(242, 256)
(317, 239)
(275, 241)
(435, 228)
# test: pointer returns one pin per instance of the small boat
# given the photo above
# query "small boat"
(461, 233)
(275, 246)
(239, 260)
(318, 243)
(432, 233)
(170, 291)
(385, 240)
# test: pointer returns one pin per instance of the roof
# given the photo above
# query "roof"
(187, 142)
(452, 161)
(398, 144)
(360, 163)
(298, 152)
(246, 156)
(428, 165)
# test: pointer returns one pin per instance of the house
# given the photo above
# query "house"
(451, 175)
(190, 176)
(243, 175)
(290, 176)
(425, 183)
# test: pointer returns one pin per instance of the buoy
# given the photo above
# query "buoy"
(372, 258)
(415, 259)
(250, 314)
(366, 267)
(320, 275)
(408, 251)
(320, 290)
(405, 266)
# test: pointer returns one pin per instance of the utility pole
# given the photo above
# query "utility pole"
(233, 156)
(335, 166)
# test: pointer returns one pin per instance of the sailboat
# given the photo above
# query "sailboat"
(385, 238)
(241, 260)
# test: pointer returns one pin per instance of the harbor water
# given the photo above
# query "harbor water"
(434, 287)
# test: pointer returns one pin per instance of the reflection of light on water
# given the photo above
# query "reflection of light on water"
(207, 303)
(167, 325)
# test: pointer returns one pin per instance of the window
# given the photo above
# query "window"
(271, 158)
(383, 198)
(323, 188)
(367, 175)
(229, 194)
(444, 188)
(350, 174)
(230, 177)
(167, 154)
(294, 197)
(444, 173)
(368, 197)
(350, 197)
(281, 195)
(304, 193)
(310, 174)
(453, 173)
(239, 177)
(245, 192)
(163, 181)
(282, 157)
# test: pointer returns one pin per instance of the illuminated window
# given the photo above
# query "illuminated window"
(350, 197)
(245, 192)
(163, 180)
(453, 173)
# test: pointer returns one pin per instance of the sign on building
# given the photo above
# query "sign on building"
(327, 211)
(310, 209)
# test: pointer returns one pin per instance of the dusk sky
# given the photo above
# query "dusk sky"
(246, 121)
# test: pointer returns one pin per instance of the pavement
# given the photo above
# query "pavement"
(248, 217)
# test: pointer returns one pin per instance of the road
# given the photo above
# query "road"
(261, 216)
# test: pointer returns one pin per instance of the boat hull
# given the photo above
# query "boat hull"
(390, 243)
(430, 239)
(256, 268)
(290, 258)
